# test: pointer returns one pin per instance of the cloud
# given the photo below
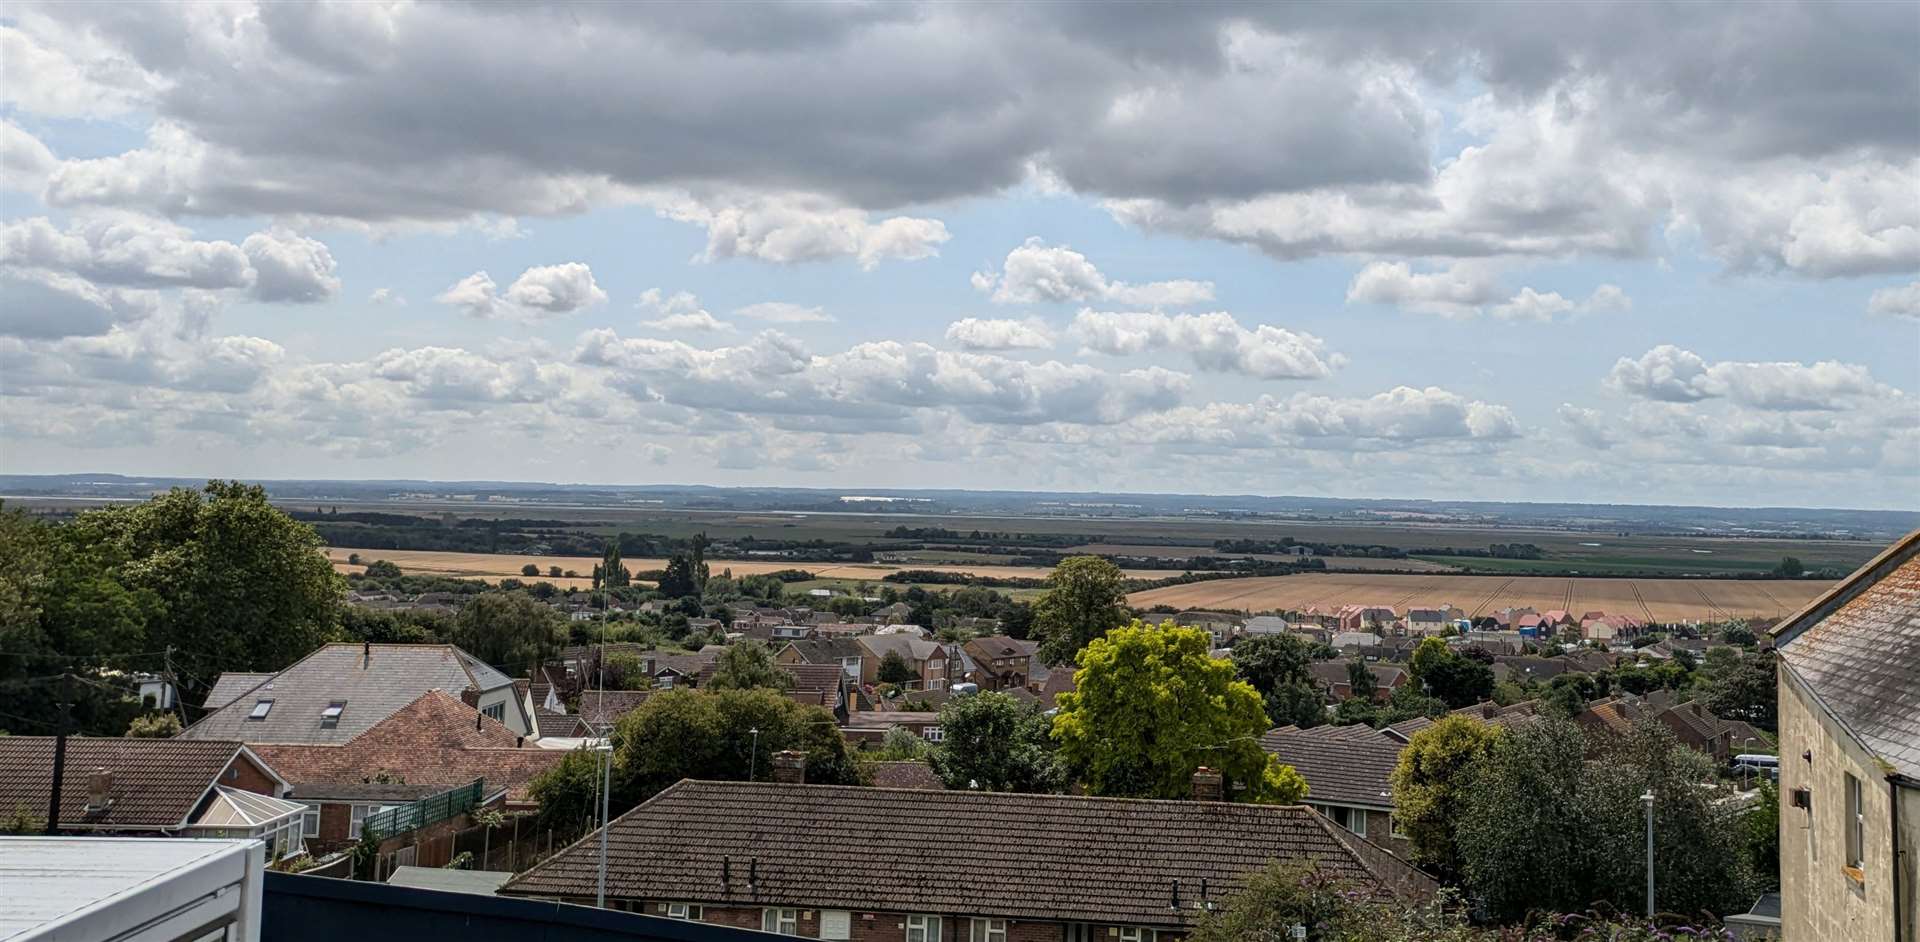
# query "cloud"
(782, 312)
(680, 311)
(1036, 272)
(539, 292)
(802, 229)
(290, 267)
(455, 377)
(386, 296)
(1470, 289)
(25, 160)
(1215, 342)
(1670, 374)
(974, 333)
(1899, 301)
(1587, 426)
(1403, 415)
(126, 250)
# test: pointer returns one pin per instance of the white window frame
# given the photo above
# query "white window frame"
(497, 711)
(356, 816)
(780, 920)
(933, 734)
(836, 924)
(1393, 828)
(691, 912)
(1138, 934)
(987, 930)
(1856, 823)
(923, 928)
(261, 708)
(310, 822)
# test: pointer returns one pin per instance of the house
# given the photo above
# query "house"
(894, 614)
(1364, 617)
(997, 662)
(1349, 772)
(870, 727)
(848, 653)
(1428, 621)
(152, 787)
(600, 709)
(1522, 668)
(930, 661)
(1222, 626)
(427, 747)
(1849, 694)
(342, 690)
(1264, 625)
(798, 859)
(1332, 677)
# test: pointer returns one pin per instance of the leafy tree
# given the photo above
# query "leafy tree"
(1407, 702)
(1268, 661)
(995, 743)
(382, 569)
(530, 570)
(154, 726)
(553, 572)
(747, 665)
(1744, 690)
(241, 585)
(1444, 673)
(683, 577)
(1790, 567)
(1354, 710)
(1152, 705)
(613, 574)
(396, 626)
(1295, 703)
(626, 672)
(1360, 680)
(508, 629)
(1432, 773)
(1567, 695)
(567, 792)
(1541, 826)
(708, 734)
(894, 669)
(1761, 829)
(1085, 599)
(899, 744)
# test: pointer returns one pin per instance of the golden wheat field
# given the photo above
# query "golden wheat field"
(493, 566)
(1664, 600)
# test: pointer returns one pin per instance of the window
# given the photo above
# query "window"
(330, 717)
(1856, 824)
(933, 734)
(1353, 819)
(1393, 828)
(687, 911)
(1137, 934)
(923, 929)
(260, 708)
(1078, 932)
(783, 921)
(989, 930)
(836, 924)
(310, 822)
(497, 711)
(359, 815)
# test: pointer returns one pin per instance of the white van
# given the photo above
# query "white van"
(1766, 765)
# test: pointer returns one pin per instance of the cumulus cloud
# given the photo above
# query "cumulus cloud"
(116, 249)
(1471, 289)
(1036, 272)
(386, 296)
(1403, 415)
(540, 292)
(680, 311)
(975, 333)
(463, 378)
(1587, 426)
(1215, 342)
(1901, 301)
(1670, 374)
(802, 229)
(26, 162)
(290, 267)
(782, 312)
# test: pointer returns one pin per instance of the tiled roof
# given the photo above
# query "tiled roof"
(604, 707)
(825, 650)
(430, 744)
(373, 683)
(1342, 764)
(1081, 859)
(156, 782)
(229, 686)
(1858, 649)
(905, 775)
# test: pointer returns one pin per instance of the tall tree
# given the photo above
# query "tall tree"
(1152, 705)
(894, 669)
(993, 742)
(1428, 783)
(1086, 598)
(709, 734)
(1360, 680)
(508, 629)
(613, 573)
(1442, 672)
(242, 585)
(746, 665)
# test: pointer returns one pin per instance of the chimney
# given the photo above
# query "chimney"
(790, 766)
(99, 790)
(470, 697)
(1208, 785)
(366, 654)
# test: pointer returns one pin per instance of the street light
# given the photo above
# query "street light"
(1647, 799)
(606, 785)
(753, 758)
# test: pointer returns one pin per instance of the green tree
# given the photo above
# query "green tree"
(1442, 672)
(1407, 702)
(154, 726)
(1360, 680)
(993, 742)
(1790, 567)
(708, 734)
(613, 574)
(894, 669)
(1743, 689)
(683, 577)
(1354, 710)
(566, 793)
(382, 569)
(242, 586)
(1295, 703)
(1152, 705)
(1761, 829)
(626, 672)
(747, 665)
(1269, 661)
(1432, 773)
(530, 570)
(508, 629)
(1086, 598)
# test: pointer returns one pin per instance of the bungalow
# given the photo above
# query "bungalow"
(750, 855)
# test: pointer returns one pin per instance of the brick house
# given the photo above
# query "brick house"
(799, 860)
(1849, 694)
(999, 662)
(932, 662)
(1349, 772)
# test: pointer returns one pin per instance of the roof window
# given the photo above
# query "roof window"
(330, 717)
(260, 708)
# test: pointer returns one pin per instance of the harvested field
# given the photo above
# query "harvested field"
(1175, 554)
(495, 566)
(1664, 600)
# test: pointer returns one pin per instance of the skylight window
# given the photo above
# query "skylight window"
(330, 717)
(260, 709)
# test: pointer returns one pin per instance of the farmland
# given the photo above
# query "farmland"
(1655, 599)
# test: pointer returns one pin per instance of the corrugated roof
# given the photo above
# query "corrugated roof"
(1858, 648)
(156, 782)
(1079, 859)
(372, 683)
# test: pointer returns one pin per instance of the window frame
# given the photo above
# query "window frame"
(261, 708)
(772, 918)
(357, 815)
(1856, 824)
(310, 821)
(1138, 934)
(983, 929)
(689, 912)
(933, 734)
(496, 712)
(844, 917)
(926, 925)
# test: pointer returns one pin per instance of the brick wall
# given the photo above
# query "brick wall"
(243, 774)
(874, 926)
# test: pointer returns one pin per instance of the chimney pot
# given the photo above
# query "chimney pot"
(99, 789)
(366, 654)
(790, 767)
(1208, 785)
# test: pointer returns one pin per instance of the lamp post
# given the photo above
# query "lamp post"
(606, 785)
(753, 757)
(1647, 799)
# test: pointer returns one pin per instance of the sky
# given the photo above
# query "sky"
(1600, 253)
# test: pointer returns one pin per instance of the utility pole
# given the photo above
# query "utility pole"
(60, 753)
(606, 824)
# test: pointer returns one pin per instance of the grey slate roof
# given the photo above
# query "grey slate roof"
(1349, 765)
(1858, 649)
(1107, 860)
(373, 682)
(229, 686)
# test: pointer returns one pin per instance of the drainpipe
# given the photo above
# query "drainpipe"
(1894, 783)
